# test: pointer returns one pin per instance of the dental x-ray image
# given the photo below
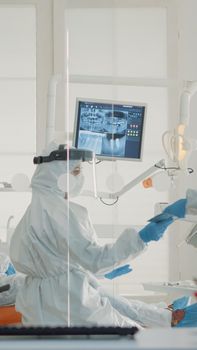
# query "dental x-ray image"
(110, 129)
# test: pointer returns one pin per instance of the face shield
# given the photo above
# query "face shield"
(69, 167)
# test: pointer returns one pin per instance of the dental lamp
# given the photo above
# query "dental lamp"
(176, 145)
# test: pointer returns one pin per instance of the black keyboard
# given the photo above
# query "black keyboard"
(71, 332)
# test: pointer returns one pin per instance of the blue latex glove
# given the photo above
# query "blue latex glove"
(118, 272)
(10, 270)
(161, 217)
(190, 318)
(180, 303)
(155, 230)
(177, 208)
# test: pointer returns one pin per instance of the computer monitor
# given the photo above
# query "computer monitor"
(112, 129)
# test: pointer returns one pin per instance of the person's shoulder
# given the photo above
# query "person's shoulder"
(77, 208)
(75, 205)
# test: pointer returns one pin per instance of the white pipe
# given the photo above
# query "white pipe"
(189, 90)
(51, 104)
(192, 87)
(184, 107)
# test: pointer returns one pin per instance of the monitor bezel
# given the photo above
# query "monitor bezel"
(113, 102)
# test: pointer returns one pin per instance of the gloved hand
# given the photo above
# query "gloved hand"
(155, 230)
(10, 270)
(177, 208)
(118, 272)
(190, 317)
(181, 303)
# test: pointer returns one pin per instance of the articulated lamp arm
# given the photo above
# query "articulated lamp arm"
(130, 185)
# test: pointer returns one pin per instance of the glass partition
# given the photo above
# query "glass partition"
(108, 58)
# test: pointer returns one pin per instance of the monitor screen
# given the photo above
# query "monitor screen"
(112, 129)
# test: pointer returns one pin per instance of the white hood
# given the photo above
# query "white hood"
(46, 174)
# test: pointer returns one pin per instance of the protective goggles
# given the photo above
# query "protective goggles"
(65, 154)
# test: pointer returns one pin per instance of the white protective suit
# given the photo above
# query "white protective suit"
(39, 249)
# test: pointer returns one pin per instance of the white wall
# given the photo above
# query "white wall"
(26, 65)
(187, 70)
(17, 104)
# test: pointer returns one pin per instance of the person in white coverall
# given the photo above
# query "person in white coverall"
(39, 249)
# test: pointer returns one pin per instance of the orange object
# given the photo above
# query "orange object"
(147, 183)
(9, 315)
